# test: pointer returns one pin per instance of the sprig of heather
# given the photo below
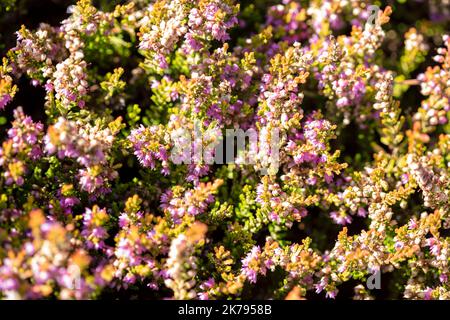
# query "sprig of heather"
(21, 149)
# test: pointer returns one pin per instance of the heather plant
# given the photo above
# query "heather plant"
(227, 149)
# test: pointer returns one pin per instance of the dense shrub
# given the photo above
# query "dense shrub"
(114, 116)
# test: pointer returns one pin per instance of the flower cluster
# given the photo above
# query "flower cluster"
(7, 88)
(88, 145)
(47, 261)
(435, 85)
(22, 147)
(165, 24)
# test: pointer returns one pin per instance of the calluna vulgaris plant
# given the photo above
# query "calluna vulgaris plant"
(92, 205)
